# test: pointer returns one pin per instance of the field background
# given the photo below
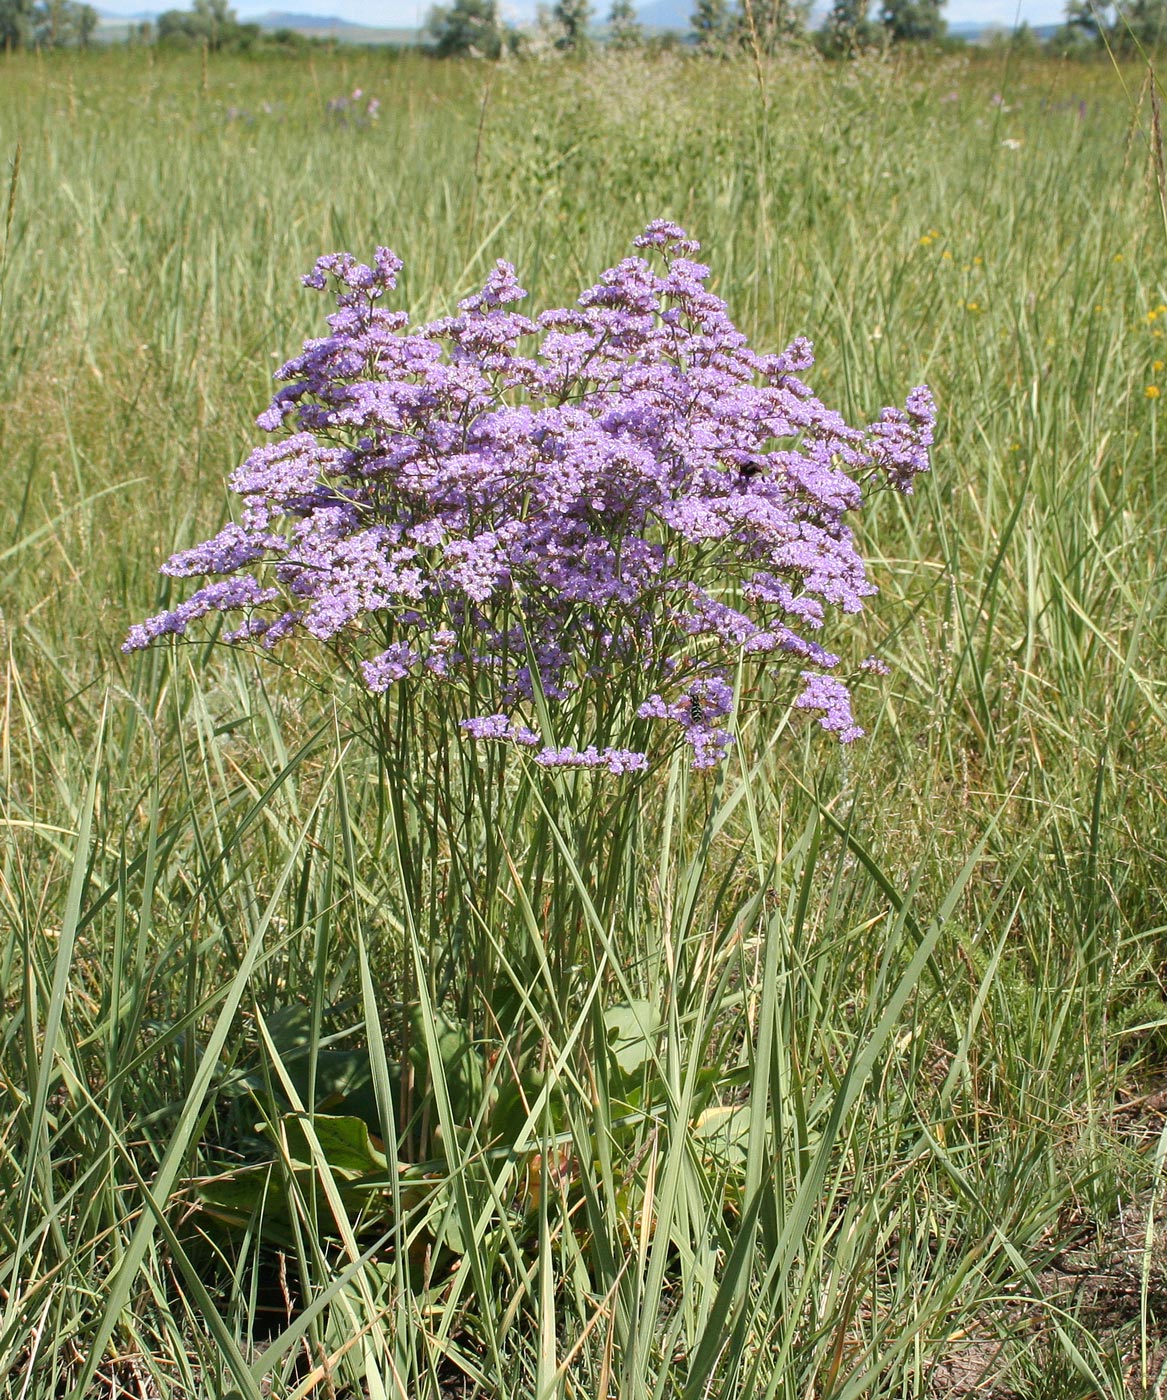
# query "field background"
(990, 1204)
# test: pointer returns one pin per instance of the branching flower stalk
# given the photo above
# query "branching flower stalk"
(554, 539)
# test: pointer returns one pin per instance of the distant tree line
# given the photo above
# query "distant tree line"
(476, 28)
(723, 27)
(1129, 25)
(210, 23)
(851, 27)
(46, 23)
(213, 24)
(719, 27)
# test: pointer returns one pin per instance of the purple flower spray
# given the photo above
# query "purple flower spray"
(572, 529)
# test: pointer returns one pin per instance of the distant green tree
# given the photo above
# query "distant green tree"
(624, 30)
(210, 22)
(913, 21)
(1078, 35)
(1083, 16)
(1023, 40)
(849, 28)
(772, 23)
(56, 23)
(712, 24)
(466, 27)
(16, 18)
(572, 18)
(218, 19)
(1126, 26)
(1139, 24)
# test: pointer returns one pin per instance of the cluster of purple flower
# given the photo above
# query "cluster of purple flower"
(346, 108)
(606, 506)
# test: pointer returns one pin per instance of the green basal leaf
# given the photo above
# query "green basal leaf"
(632, 1029)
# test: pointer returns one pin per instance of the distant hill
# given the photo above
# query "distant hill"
(974, 33)
(115, 27)
(315, 24)
(331, 27)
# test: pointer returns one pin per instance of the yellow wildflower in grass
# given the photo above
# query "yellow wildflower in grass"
(973, 306)
(1152, 391)
(946, 255)
(1157, 366)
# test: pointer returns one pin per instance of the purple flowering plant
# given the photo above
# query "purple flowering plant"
(573, 528)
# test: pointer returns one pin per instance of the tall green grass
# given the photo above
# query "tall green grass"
(872, 1020)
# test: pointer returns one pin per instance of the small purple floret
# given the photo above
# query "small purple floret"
(502, 728)
(394, 664)
(831, 696)
(616, 761)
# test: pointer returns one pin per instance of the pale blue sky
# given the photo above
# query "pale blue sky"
(405, 13)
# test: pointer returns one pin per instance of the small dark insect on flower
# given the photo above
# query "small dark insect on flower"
(696, 712)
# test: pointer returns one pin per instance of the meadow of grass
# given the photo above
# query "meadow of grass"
(885, 1109)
